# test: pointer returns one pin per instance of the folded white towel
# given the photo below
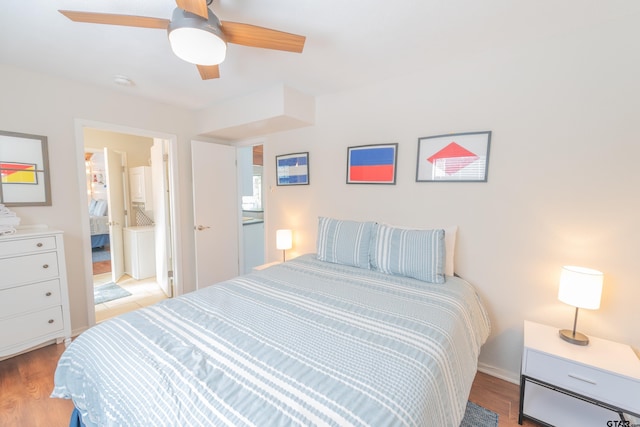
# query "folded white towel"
(10, 221)
(5, 211)
(6, 230)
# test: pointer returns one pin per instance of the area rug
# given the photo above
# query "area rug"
(108, 292)
(477, 416)
(98, 255)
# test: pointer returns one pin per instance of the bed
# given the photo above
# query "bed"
(99, 226)
(308, 342)
(98, 223)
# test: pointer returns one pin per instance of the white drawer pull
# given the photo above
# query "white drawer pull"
(575, 377)
(50, 320)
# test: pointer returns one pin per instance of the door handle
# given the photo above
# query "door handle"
(201, 227)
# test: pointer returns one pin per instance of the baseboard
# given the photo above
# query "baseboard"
(499, 373)
(78, 331)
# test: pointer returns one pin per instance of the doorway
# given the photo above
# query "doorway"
(145, 226)
(251, 188)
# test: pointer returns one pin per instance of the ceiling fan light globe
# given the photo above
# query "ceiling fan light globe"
(197, 46)
(195, 39)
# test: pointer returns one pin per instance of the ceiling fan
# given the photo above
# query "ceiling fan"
(196, 35)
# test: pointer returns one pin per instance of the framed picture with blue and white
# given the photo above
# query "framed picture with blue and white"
(372, 164)
(293, 169)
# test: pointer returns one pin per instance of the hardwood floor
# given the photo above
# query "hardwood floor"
(502, 397)
(101, 267)
(27, 380)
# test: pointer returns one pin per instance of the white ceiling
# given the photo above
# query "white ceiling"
(349, 42)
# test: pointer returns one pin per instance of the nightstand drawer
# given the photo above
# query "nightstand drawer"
(601, 385)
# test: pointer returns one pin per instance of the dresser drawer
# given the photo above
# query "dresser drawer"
(20, 329)
(27, 298)
(25, 246)
(28, 268)
(601, 385)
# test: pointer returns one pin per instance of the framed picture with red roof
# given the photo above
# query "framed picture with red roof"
(456, 157)
(372, 164)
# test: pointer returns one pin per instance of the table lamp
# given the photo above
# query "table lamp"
(284, 241)
(582, 288)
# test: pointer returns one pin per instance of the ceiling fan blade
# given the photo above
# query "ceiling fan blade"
(113, 19)
(197, 7)
(254, 36)
(208, 72)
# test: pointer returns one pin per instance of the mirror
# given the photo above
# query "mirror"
(24, 170)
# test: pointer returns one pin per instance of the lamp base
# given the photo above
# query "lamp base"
(574, 337)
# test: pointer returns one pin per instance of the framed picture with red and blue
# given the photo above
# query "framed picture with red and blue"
(372, 164)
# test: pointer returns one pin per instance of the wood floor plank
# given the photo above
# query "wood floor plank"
(26, 382)
(502, 397)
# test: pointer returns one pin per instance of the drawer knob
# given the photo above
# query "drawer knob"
(48, 294)
(50, 320)
(39, 245)
(45, 266)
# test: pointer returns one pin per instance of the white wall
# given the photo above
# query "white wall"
(137, 147)
(42, 105)
(563, 178)
(562, 186)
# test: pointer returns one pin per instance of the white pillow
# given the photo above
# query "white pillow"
(100, 208)
(450, 232)
(92, 207)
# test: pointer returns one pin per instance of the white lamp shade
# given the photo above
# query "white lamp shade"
(284, 239)
(580, 287)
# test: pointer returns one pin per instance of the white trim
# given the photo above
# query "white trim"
(80, 125)
(499, 373)
(174, 202)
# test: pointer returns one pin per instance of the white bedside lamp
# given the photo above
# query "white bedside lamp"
(284, 241)
(582, 288)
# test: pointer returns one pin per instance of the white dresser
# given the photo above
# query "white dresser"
(34, 299)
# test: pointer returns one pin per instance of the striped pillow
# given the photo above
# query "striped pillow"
(344, 242)
(413, 253)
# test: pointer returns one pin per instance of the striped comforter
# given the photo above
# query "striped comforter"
(301, 343)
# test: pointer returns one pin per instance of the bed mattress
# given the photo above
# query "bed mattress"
(99, 225)
(303, 343)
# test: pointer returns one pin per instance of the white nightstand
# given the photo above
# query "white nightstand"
(563, 384)
(263, 266)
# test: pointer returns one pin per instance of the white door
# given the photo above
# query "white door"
(115, 198)
(215, 209)
(161, 216)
